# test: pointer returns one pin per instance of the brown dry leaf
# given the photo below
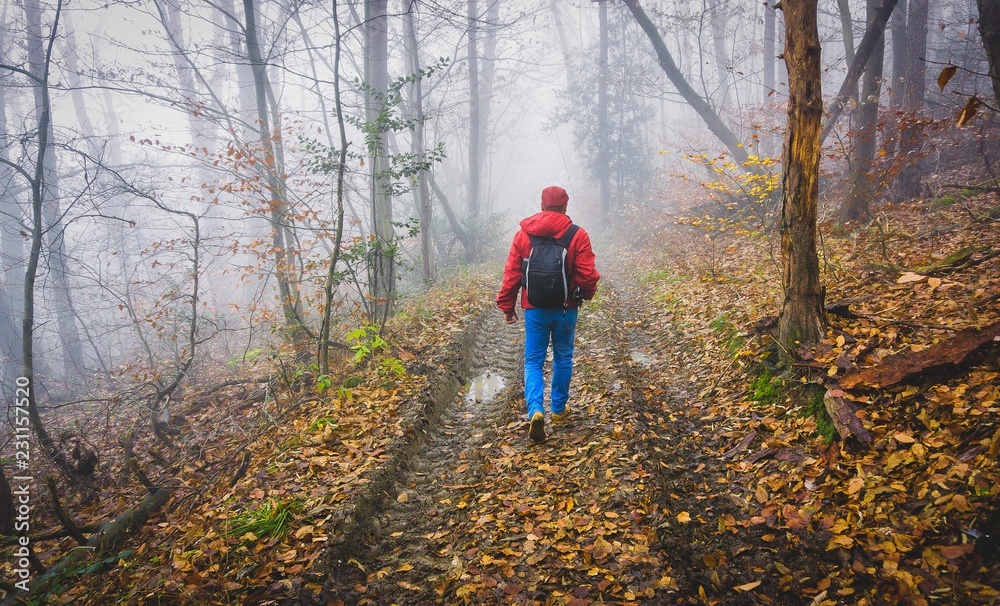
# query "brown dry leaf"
(684, 517)
(908, 277)
(748, 586)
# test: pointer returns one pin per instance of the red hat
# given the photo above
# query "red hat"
(554, 197)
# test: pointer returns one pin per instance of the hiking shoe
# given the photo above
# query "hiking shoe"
(559, 417)
(536, 430)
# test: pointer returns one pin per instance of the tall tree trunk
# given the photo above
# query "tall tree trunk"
(603, 130)
(719, 17)
(279, 205)
(421, 192)
(330, 284)
(989, 29)
(899, 55)
(770, 56)
(487, 71)
(73, 363)
(382, 282)
(563, 44)
(909, 180)
(696, 101)
(69, 52)
(475, 164)
(11, 257)
(847, 25)
(247, 109)
(873, 33)
(40, 56)
(861, 190)
(801, 322)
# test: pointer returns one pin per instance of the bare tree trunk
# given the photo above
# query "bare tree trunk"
(468, 243)
(718, 18)
(73, 365)
(563, 44)
(899, 55)
(11, 259)
(244, 69)
(711, 118)
(802, 321)
(908, 184)
(279, 205)
(848, 27)
(487, 71)
(69, 50)
(40, 57)
(989, 29)
(768, 138)
(330, 284)
(382, 283)
(861, 190)
(421, 192)
(603, 131)
(475, 163)
(873, 33)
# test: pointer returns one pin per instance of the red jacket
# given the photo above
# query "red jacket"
(579, 259)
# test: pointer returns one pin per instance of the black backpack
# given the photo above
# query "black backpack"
(544, 272)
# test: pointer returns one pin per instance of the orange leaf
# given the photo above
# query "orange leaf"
(946, 75)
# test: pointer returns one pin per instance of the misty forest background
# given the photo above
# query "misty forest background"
(238, 197)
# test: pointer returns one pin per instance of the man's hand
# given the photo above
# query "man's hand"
(510, 317)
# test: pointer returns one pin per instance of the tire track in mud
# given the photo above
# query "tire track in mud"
(402, 560)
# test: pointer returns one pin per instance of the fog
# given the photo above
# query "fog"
(156, 170)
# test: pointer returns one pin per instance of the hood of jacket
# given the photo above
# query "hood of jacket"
(546, 224)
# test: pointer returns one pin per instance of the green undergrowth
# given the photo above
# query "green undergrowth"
(270, 519)
(811, 396)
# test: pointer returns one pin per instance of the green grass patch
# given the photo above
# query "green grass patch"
(270, 519)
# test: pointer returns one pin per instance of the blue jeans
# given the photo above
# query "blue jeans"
(540, 327)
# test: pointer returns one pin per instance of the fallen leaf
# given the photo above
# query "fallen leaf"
(748, 586)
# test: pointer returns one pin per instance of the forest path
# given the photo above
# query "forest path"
(627, 502)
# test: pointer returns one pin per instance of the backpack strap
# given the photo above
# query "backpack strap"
(568, 236)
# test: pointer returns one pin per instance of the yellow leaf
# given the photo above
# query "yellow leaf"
(839, 541)
(841, 340)
(855, 485)
(748, 586)
(684, 517)
(946, 75)
(968, 111)
(405, 567)
(832, 371)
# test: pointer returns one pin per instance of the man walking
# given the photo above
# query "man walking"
(551, 264)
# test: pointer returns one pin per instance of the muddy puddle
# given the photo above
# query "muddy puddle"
(485, 387)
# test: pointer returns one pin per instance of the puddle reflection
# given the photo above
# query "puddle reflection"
(485, 387)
